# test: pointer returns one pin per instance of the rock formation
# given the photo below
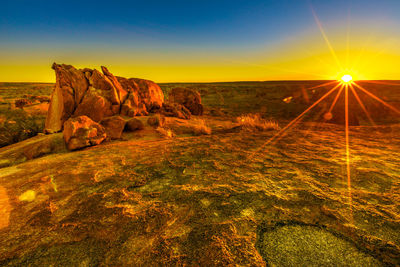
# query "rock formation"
(187, 97)
(98, 95)
(81, 132)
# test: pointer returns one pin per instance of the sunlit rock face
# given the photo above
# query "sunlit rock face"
(187, 97)
(98, 95)
(81, 132)
(113, 126)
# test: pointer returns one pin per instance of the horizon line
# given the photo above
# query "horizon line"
(243, 81)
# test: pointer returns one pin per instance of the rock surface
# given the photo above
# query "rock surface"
(150, 94)
(175, 110)
(31, 148)
(113, 126)
(190, 98)
(134, 125)
(98, 95)
(81, 132)
(203, 201)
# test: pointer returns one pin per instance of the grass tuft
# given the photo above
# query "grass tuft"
(201, 128)
(256, 122)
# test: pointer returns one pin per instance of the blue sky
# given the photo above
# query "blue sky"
(38, 32)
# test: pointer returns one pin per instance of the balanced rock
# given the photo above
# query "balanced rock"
(113, 126)
(134, 125)
(81, 132)
(191, 99)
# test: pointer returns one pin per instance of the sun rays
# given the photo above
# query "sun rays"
(346, 83)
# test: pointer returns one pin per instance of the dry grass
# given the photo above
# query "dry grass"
(256, 122)
(201, 128)
(163, 132)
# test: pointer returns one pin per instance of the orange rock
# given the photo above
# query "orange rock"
(175, 110)
(88, 92)
(81, 132)
(150, 94)
(70, 87)
(191, 99)
(121, 92)
(114, 126)
(94, 106)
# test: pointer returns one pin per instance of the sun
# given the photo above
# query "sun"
(346, 78)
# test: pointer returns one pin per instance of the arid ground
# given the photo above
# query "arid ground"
(220, 199)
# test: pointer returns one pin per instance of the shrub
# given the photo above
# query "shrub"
(256, 122)
(16, 126)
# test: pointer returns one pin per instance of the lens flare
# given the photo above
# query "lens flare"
(347, 78)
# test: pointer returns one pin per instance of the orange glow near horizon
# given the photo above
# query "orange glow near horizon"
(345, 80)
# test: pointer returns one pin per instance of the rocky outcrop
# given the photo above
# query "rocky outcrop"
(81, 132)
(114, 126)
(134, 125)
(189, 98)
(98, 95)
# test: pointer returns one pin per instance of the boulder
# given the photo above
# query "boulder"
(191, 99)
(175, 110)
(144, 96)
(94, 106)
(113, 126)
(101, 99)
(134, 125)
(150, 94)
(156, 120)
(81, 132)
(69, 90)
(120, 91)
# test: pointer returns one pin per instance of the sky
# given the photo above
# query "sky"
(202, 41)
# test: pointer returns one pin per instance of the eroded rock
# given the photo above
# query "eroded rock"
(98, 95)
(191, 99)
(113, 126)
(150, 94)
(175, 110)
